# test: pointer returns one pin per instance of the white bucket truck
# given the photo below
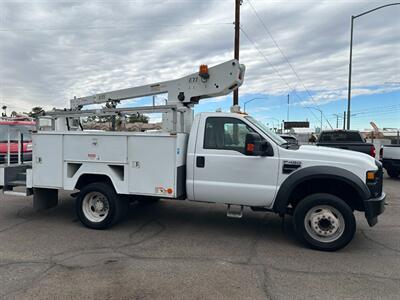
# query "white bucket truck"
(227, 158)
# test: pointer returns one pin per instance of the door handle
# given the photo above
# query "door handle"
(200, 161)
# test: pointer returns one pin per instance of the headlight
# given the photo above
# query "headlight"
(29, 147)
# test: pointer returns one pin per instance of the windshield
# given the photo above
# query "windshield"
(272, 135)
(14, 129)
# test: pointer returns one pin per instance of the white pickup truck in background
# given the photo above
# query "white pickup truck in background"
(390, 157)
(227, 158)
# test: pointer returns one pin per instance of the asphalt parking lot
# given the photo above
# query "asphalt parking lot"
(190, 251)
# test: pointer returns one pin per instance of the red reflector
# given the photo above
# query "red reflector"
(372, 153)
(250, 148)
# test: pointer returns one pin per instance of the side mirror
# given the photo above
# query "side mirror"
(256, 146)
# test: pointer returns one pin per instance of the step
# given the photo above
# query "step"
(21, 176)
(234, 213)
(17, 183)
(13, 193)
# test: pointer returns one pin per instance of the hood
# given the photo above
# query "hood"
(309, 155)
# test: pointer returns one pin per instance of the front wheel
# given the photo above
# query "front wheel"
(324, 222)
(98, 206)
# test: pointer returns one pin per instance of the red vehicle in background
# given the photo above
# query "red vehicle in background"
(14, 129)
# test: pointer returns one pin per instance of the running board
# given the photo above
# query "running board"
(234, 213)
(12, 193)
(28, 192)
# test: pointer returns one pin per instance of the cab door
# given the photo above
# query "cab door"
(222, 171)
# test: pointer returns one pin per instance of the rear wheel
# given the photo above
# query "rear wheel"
(393, 173)
(98, 206)
(324, 222)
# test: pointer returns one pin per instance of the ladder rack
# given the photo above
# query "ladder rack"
(112, 111)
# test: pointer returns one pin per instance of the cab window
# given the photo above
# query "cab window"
(225, 134)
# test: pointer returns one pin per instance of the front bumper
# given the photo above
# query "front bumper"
(373, 208)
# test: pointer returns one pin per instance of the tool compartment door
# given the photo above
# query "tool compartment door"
(47, 161)
(152, 165)
(100, 147)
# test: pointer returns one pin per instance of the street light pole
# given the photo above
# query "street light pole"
(288, 105)
(350, 69)
(244, 105)
(272, 118)
(351, 55)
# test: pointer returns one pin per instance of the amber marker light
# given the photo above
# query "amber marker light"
(371, 175)
(203, 72)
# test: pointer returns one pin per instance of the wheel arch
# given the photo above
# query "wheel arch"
(88, 178)
(314, 180)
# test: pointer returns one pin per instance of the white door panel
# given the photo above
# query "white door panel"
(47, 160)
(229, 176)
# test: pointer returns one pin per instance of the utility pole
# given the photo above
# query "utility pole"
(237, 43)
(337, 120)
(288, 104)
(344, 120)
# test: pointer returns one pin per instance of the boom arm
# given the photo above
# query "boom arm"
(219, 80)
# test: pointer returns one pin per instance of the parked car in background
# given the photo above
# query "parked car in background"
(390, 157)
(14, 129)
(290, 139)
(345, 139)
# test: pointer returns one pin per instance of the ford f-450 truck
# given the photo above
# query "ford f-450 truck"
(229, 158)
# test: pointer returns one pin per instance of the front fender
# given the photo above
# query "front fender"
(317, 172)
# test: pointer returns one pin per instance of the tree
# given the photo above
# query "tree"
(4, 107)
(137, 119)
(35, 111)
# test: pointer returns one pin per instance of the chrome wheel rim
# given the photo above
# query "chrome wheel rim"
(95, 207)
(324, 223)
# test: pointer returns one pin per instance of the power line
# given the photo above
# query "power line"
(377, 108)
(274, 69)
(285, 58)
(111, 27)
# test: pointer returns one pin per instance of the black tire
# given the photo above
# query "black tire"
(332, 206)
(117, 207)
(393, 173)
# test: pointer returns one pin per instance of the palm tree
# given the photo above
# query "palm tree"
(4, 107)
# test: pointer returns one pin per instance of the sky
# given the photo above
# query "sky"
(51, 51)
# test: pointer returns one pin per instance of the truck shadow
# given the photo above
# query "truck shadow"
(183, 218)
